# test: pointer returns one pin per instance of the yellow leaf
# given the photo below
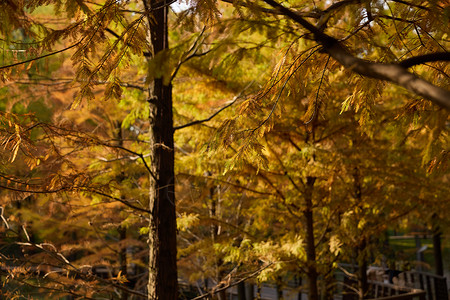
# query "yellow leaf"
(15, 150)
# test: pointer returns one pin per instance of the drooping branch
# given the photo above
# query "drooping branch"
(395, 73)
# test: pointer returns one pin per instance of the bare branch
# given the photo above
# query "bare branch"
(125, 202)
(39, 57)
(236, 98)
(422, 59)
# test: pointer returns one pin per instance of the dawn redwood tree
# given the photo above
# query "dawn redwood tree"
(339, 27)
(163, 280)
(91, 24)
(104, 39)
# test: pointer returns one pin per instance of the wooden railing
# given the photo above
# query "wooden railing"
(407, 286)
(435, 286)
(388, 291)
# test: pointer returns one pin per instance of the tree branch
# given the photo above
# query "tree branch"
(391, 72)
(236, 98)
(273, 11)
(394, 73)
(422, 59)
(207, 119)
(39, 57)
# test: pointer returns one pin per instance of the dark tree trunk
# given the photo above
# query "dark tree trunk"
(121, 229)
(311, 270)
(162, 283)
(279, 289)
(250, 291)
(215, 231)
(439, 265)
(363, 285)
(298, 280)
(241, 291)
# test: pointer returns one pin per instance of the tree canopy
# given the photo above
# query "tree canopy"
(151, 145)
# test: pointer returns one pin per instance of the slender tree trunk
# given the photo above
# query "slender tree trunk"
(279, 289)
(241, 291)
(121, 229)
(162, 282)
(250, 291)
(437, 248)
(363, 285)
(123, 259)
(214, 234)
(298, 280)
(311, 270)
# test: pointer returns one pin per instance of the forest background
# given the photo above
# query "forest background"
(294, 136)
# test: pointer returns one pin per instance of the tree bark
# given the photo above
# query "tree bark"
(241, 291)
(363, 285)
(279, 286)
(438, 263)
(162, 281)
(250, 291)
(298, 280)
(311, 270)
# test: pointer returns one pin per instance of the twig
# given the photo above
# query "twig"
(236, 98)
(39, 57)
(316, 106)
(281, 91)
(234, 283)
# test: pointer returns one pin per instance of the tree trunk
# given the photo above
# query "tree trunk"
(279, 286)
(250, 291)
(362, 259)
(123, 259)
(311, 270)
(241, 291)
(162, 281)
(438, 263)
(214, 234)
(298, 281)
(363, 285)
